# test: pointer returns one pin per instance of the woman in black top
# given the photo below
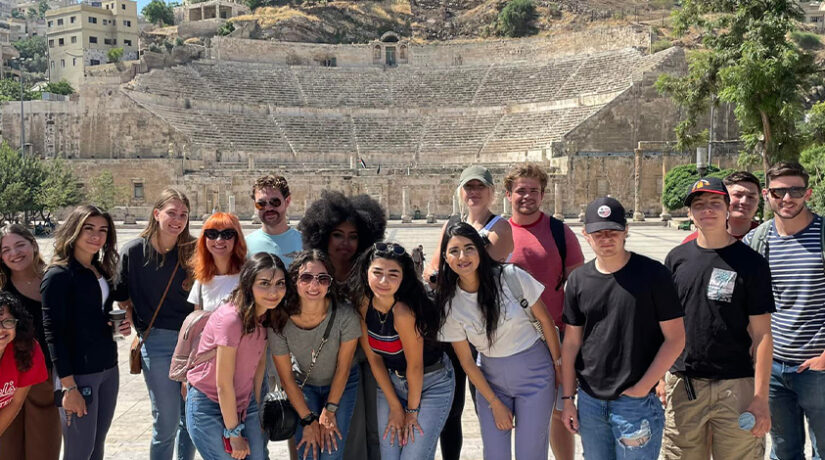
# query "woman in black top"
(76, 300)
(415, 378)
(21, 271)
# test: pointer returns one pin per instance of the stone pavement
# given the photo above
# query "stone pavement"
(131, 430)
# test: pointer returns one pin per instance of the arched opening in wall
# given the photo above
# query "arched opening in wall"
(390, 37)
(376, 54)
(390, 51)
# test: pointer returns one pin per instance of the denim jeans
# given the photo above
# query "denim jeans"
(205, 420)
(794, 396)
(437, 394)
(625, 428)
(316, 399)
(168, 407)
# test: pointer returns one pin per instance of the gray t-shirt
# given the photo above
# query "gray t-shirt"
(302, 343)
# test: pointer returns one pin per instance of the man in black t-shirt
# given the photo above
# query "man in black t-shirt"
(624, 330)
(725, 289)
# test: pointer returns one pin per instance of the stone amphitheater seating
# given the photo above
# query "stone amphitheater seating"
(319, 114)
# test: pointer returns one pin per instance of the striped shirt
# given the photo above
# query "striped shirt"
(798, 279)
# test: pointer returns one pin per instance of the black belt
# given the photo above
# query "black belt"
(431, 368)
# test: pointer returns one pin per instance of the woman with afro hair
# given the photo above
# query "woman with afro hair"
(344, 227)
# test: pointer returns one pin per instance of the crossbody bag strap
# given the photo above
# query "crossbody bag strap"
(321, 346)
(160, 304)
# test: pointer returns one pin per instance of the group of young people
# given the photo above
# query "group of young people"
(373, 347)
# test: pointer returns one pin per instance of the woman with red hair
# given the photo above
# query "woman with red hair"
(219, 255)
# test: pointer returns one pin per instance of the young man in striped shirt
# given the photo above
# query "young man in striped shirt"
(792, 244)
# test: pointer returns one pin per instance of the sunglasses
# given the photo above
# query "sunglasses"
(9, 323)
(322, 278)
(389, 248)
(795, 192)
(274, 202)
(226, 235)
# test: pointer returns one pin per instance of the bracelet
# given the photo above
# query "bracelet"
(66, 390)
(571, 397)
(412, 411)
(234, 432)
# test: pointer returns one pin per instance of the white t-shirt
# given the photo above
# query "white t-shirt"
(215, 292)
(514, 332)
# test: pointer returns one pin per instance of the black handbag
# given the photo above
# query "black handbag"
(279, 419)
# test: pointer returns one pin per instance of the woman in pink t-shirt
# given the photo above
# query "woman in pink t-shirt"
(221, 413)
(21, 359)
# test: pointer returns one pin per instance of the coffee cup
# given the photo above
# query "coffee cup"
(117, 317)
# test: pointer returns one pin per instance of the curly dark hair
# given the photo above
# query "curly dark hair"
(292, 303)
(24, 331)
(243, 297)
(489, 275)
(411, 292)
(271, 181)
(333, 208)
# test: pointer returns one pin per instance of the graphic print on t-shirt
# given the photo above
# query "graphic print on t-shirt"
(721, 284)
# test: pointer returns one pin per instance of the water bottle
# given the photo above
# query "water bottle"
(746, 421)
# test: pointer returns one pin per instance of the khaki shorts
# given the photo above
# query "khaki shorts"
(710, 423)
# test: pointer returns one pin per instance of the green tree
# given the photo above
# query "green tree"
(60, 87)
(20, 180)
(226, 28)
(58, 190)
(33, 48)
(42, 7)
(159, 13)
(255, 4)
(114, 54)
(10, 91)
(101, 191)
(747, 60)
(16, 14)
(515, 18)
(679, 180)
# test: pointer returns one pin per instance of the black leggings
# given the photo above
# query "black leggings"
(451, 436)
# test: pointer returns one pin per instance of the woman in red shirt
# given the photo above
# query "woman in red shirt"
(21, 359)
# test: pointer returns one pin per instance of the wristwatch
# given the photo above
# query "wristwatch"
(311, 417)
(331, 407)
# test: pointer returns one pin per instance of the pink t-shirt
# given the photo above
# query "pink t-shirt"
(225, 328)
(11, 379)
(535, 251)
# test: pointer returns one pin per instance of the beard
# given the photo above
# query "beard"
(787, 213)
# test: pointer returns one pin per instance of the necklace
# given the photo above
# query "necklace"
(380, 315)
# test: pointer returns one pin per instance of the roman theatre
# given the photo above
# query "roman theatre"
(395, 119)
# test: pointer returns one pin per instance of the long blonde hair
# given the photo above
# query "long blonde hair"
(185, 241)
(38, 264)
(68, 233)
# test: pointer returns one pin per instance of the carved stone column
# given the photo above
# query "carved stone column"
(558, 212)
(638, 215)
(665, 215)
(405, 206)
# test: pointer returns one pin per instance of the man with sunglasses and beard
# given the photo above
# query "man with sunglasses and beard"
(271, 196)
(792, 244)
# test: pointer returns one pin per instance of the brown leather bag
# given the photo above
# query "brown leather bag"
(135, 364)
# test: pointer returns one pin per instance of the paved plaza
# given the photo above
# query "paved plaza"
(132, 427)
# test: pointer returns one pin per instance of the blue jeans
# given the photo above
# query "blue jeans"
(168, 407)
(625, 428)
(794, 396)
(316, 399)
(205, 420)
(437, 394)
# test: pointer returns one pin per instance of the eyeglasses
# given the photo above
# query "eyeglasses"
(323, 279)
(226, 234)
(389, 248)
(274, 202)
(779, 192)
(9, 323)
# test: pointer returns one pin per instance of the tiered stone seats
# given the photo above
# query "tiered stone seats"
(317, 135)
(387, 135)
(250, 83)
(457, 134)
(519, 132)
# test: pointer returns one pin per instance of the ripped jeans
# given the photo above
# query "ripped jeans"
(624, 428)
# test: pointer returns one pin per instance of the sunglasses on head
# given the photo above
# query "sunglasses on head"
(274, 202)
(226, 235)
(389, 248)
(795, 192)
(323, 279)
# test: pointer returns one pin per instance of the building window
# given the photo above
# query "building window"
(92, 20)
(110, 41)
(71, 20)
(122, 6)
(127, 23)
(74, 39)
(127, 42)
(94, 62)
(92, 39)
(74, 62)
(329, 62)
(50, 23)
(51, 43)
(52, 64)
(60, 42)
(60, 22)
(63, 63)
(137, 191)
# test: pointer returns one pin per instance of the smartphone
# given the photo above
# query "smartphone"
(86, 392)
(227, 447)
